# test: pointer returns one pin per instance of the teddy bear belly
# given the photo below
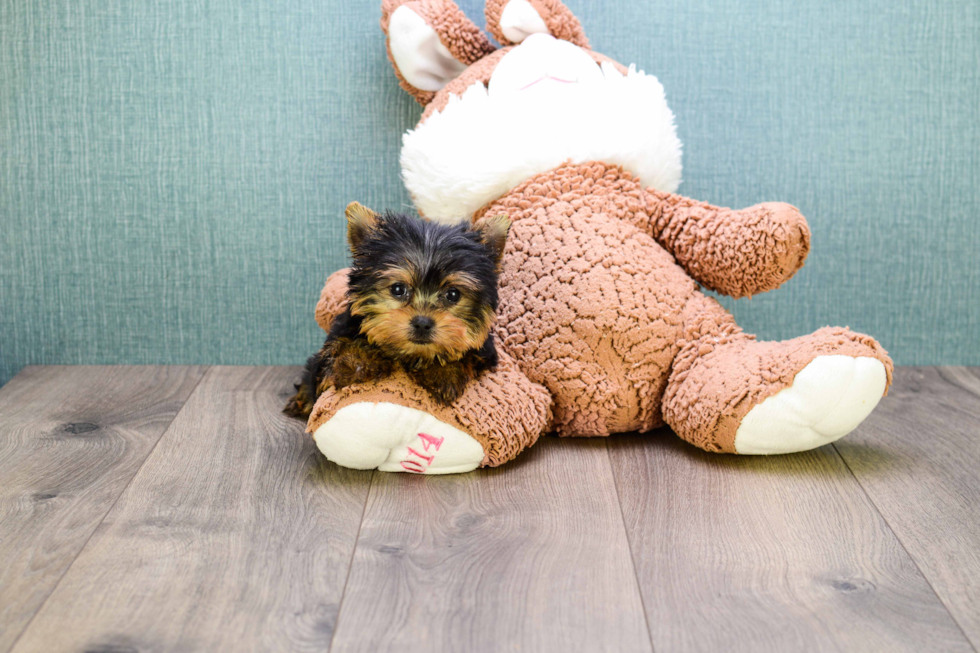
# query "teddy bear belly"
(591, 308)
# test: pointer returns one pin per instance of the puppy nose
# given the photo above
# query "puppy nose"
(423, 323)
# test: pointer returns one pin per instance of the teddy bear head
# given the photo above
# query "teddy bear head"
(494, 118)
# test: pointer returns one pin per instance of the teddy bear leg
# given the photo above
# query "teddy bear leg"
(731, 393)
(395, 426)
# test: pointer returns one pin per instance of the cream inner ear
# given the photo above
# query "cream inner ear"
(519, 20)
(422, 59)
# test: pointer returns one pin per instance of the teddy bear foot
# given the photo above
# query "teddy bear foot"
(730, 393)
(394, 438)
(394, 425)
(828, 399)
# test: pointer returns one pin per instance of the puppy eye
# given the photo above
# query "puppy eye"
(453, 295)
(399, 290)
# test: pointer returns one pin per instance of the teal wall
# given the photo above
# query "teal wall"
(173, 174)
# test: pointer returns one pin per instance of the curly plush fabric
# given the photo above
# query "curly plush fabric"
(561, 23)
(590, 305)
(387, 8)
(333, 299)
(602, 326)
(502, 410)
(464, 40)
(720, 372)
(477, 73)
(737, 253)
(597, 311)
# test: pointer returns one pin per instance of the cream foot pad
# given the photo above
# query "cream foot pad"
(394, 438)
(828, 399)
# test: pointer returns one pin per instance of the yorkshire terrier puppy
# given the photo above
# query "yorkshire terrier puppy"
(421, 296)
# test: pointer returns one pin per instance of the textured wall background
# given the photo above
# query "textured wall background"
(172, 175)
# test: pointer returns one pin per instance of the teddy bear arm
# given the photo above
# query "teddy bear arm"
(333, 299)
(739, 253)
(395, 425)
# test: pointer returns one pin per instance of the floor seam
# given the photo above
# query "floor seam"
(629, 546)
(163, 434)
(904, 548)
(350, 565)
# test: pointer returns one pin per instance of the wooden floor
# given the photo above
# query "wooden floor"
(176, 509)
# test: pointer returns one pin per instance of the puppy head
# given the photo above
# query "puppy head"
(426, 292)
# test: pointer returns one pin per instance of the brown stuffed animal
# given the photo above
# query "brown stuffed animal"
(602, 327)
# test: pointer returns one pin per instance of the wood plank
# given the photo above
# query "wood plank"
(235, 535)
(531, 556)
(784, 553)
(918, 458)
(71, 439)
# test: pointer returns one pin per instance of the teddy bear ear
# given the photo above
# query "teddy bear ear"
(512, 21)
(430, 42)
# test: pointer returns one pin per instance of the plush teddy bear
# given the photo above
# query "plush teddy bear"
(603, 326)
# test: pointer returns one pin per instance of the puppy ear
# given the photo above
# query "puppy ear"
(361, 221)
(512, 21)
(430, 42)
(493, 233)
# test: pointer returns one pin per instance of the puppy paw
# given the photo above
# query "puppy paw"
(445, 383)
(357, 362)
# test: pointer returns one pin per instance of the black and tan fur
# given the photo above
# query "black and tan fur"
(421, 297)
